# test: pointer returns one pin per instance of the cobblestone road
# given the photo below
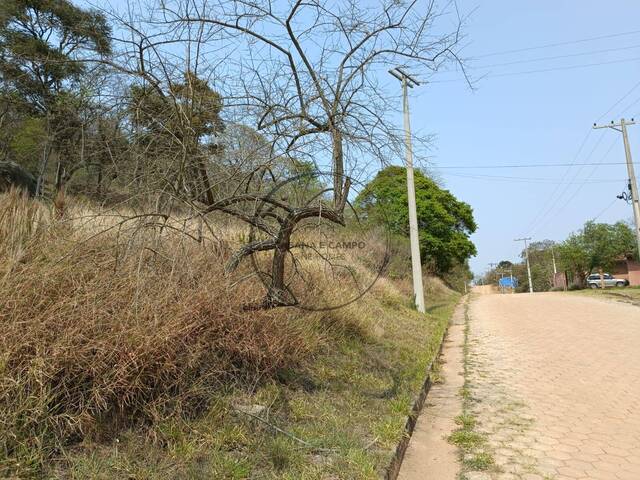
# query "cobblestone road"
(555, 382)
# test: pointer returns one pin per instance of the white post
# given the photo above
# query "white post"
(633, 185)
(526, 249)
(635, 200)
(416, 264)
(526, 253)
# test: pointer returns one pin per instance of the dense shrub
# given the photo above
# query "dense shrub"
(104, 330)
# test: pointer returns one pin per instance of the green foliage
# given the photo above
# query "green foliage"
(597, 245)
(459, 274)
(541, 261)
(178, 128)
(26, 141)
(186, 113)
(444, 222)
(40, 43)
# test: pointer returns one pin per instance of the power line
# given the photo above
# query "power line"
(558, 57)
(544, 70)
(562, 189)
(604, 210)
(633, 104)
(577, 191)
(540, 180)
(550, 202)
(559, 44)
(619, 102)
(532, 165)
(551, 197)
(633, 184)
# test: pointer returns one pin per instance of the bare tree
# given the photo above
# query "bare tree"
(308, 78)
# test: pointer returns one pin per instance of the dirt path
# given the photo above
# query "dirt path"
(554, 386)
(429, 454)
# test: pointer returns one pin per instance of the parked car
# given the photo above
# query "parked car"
(593, 281)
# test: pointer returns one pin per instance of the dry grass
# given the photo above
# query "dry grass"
(99, 334)
(123, 354)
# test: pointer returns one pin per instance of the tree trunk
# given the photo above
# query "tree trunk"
(338, 168)
(99, 181)
(59, 176)
(278, 294)
(42, 168)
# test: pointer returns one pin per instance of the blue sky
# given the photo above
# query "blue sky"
(536, 118)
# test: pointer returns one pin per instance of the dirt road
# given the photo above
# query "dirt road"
(555, 386)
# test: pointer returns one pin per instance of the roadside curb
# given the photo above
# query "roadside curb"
(393, 469)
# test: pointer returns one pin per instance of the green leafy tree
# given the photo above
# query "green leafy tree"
(444, 222)
(44, 45)
(541, 261)
(180, 125)
(596, 246)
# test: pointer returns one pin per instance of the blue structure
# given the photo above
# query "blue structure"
(508, 282)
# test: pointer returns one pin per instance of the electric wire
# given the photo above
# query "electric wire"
(534, 180)
(561, 189)
(530, 165)
(559, 44)
(622, 99)
(553, 198)
(577, 191)
(604, 210)
(556, 57)
(544, 70)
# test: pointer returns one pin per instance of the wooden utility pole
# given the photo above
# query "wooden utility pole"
(526, 253)
(633, 185)
(416, 264)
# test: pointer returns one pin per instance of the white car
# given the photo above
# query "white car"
(593, 281)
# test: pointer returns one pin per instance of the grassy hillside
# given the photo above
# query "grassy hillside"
(129, 354)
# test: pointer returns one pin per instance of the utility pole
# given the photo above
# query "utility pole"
(416, 264)
(633, 185)
(513, 286)
(555, 270)
(491, 267)
(526, 252)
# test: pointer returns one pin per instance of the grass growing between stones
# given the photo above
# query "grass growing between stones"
(475, 453)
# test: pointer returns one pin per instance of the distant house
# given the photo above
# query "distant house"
(628, 269)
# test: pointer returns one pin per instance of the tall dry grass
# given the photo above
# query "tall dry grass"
(102, 331)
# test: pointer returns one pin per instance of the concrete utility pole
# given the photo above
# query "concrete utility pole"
(491, 267)
(513, 287)
(416, 264)
(555, 270)
(526, 253)
(633, 185)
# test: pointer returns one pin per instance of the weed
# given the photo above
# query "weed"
(474, 451)
(479, 461)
